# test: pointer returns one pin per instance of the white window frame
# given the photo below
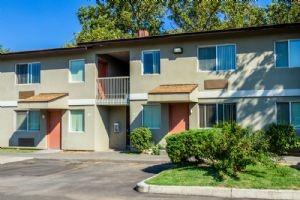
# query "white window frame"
(217, 112)
(216, 46)
(70, 121)
(152, 128)
(289, 57)
(142, 64)
(70, 74)
(290, 111)
(27, 121)
(28, 64)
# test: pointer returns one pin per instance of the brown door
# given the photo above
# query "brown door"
(179, 117)
(102, 72)
(54, 130)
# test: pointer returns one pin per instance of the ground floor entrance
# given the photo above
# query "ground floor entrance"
(178, 117)
(54, 129)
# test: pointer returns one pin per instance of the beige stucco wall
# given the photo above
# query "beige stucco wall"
(255, 64)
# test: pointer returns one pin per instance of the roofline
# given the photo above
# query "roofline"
(199, 33)
(85, 45)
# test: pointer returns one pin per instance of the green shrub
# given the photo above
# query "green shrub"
(229, 148)
(282, 137)
(141, 139)
(155, 150)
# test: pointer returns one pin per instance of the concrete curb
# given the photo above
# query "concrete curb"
(218, 191)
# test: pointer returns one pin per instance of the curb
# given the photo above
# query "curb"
(218, 191)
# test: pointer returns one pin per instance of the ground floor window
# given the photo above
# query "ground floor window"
(28, 120)
(211, 114)
(77, 120)
(288, 113)
(152, 116)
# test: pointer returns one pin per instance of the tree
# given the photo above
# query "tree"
(3, 50)
(203, 15)
(283, 11)
(112, 19)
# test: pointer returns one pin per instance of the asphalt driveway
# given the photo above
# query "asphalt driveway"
(43, 179)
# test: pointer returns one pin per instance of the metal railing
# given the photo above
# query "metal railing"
(113, 90)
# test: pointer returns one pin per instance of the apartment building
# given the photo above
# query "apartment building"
(89, 97)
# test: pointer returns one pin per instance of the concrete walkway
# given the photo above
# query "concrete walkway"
(9, 159)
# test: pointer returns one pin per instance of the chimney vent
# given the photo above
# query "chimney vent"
(143, 33)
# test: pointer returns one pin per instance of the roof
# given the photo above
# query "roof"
(86, 45)
(174, 89)
(43, 97)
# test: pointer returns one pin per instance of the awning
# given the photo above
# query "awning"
(173, 93)
(45, 101)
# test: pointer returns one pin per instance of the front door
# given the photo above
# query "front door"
(54, 130)
(178, 117)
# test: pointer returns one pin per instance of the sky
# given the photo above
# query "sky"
(40, 24)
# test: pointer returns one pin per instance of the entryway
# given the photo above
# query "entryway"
(178, 117)
(54, 129)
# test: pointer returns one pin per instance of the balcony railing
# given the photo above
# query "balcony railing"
(113, 90)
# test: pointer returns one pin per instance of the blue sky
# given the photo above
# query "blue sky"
(40, 24)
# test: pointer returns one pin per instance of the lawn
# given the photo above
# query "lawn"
(280, 177)
(18, 150)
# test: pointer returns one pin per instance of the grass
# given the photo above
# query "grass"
(17, 150)
(277, 177)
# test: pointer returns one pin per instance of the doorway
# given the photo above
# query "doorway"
(178, 117)
(54, 129)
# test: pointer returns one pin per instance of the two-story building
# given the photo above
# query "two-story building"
(89, 97)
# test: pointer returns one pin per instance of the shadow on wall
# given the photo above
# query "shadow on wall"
(26, 139)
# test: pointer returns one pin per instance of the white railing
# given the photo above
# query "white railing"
(113, 90)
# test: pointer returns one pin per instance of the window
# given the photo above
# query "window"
(151, 62)
(77, 70)
(214, 58)
(28, 120)
(210, 114)
(288, 113)
(28, 73)
(287, 53)
(77, 120)
(152, 116)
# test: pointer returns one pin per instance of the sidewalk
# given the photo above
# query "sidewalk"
(83, 155)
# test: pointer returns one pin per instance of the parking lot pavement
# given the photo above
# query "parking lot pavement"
(42, 179)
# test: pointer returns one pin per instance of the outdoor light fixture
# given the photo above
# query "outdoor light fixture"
(178, 50)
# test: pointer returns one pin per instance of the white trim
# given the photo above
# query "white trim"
(81, 102)
(70, 75)
(248, 93)
(8, 103)
(138, 96)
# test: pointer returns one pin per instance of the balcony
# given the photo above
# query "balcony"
(113, 90)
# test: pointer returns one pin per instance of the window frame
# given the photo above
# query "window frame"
(28, 74)
(152, 128)
(217, 112)
(70, 74)
(216, 47)
(70, 121)
(27, 121)
(290, 111)
(289, 57)
(142, 64)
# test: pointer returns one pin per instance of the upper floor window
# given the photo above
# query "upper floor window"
(151, 62)
(287, 53)
(211, 114)
(215, 58)
(77, 70)
(28, 120)
(28, 73)
(151, 116)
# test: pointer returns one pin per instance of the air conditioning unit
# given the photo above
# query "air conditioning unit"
(116, 127)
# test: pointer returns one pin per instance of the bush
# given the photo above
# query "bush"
(141, 139)
(282, 137)
(229, 148)
(155, 150)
